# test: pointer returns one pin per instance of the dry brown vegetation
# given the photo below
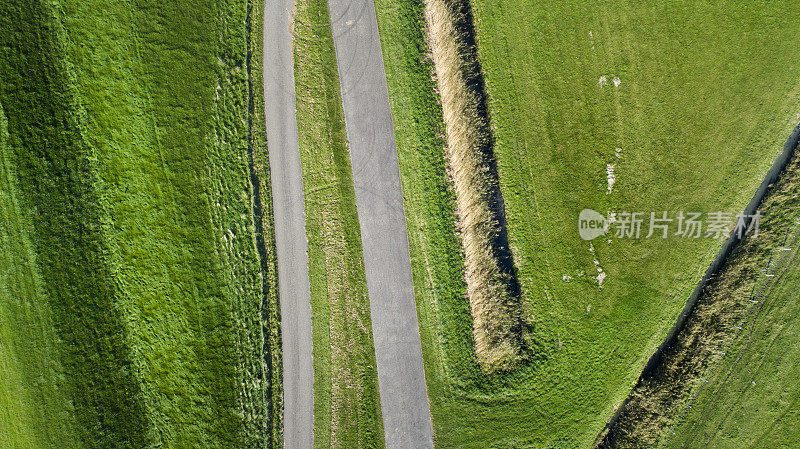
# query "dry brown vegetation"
(495, 310)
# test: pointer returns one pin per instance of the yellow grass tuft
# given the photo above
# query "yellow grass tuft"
(495, 312)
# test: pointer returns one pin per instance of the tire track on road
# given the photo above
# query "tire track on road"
(376, 175)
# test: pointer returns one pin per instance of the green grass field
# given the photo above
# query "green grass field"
(346, 403)
(138, 285)
(752, 399)
(131, 134)
(703, 348)
(30, 368)
(698, 116)
(748, 397)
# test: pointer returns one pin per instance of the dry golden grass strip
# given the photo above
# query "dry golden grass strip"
(495, 311)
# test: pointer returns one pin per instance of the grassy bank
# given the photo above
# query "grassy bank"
(31, 397)
(741, 393)
(58, 184)
(347, 407)
(704, 347)
(556, 131)
(494, 305)
(144, 236)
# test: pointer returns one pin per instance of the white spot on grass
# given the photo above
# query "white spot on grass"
(617, 81)
(610, 176)
(601, 277)
(618, 152)
(612, 218)
(588, 308)
(566, 278)
(603, 81)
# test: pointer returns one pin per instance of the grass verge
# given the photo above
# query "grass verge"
(347, 406)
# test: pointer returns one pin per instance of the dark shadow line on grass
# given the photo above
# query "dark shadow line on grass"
(267, 322)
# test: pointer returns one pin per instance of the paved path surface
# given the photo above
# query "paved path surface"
(401, 379)
(290, 227)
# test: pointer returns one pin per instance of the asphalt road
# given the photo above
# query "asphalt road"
(290, 227)
(401, 378)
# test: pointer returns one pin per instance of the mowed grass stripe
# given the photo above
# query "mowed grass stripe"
(347, 405)
(59, 184)
(34, 410)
